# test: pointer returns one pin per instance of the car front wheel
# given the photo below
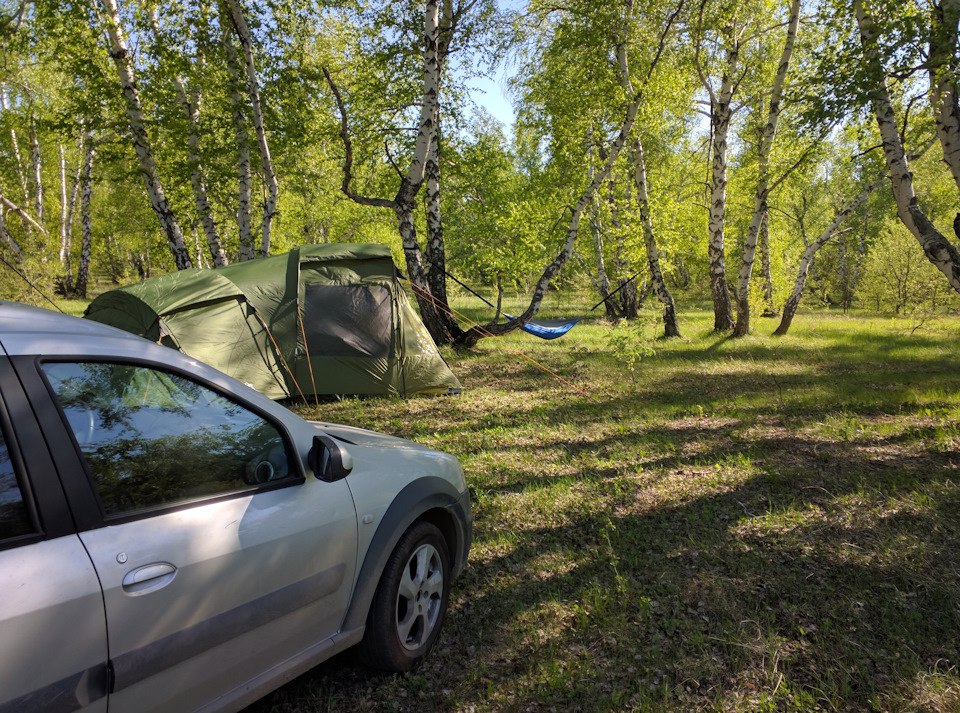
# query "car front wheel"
(411, 599)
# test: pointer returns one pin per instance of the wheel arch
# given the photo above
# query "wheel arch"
(431, 499)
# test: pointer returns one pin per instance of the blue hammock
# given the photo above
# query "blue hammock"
(547, 328)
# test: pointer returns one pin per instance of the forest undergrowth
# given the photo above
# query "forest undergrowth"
(697, 524)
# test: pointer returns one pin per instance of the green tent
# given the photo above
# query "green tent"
(321, 319)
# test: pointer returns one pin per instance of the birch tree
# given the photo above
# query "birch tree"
(760, 208)
(86, 219)
(441, 21)
(242, 147)
(938, 250)
(663, 26)
(670, 326)
(242, 30)
(944, 75)
(189, 102)
(732, 32)
(141, 141)
(806, 260)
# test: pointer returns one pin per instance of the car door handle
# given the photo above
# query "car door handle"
(149, 578)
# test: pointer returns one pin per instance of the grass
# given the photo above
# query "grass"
(700, 524)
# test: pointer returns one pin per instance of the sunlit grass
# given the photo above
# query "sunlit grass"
(756, 524)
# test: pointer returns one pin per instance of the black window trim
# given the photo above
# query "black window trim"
(298, 477)
(49, 518)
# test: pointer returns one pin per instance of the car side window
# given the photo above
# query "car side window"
(14, 518)
(152, 439)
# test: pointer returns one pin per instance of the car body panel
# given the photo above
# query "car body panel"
(257, 578)
(226, 597)
(51, 595)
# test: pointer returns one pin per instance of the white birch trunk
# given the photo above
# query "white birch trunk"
(18, 163)
(67, 258)
(670, 326)
(790, 307)
(86, 228)
(36, 166)
(943, 82)
(4, 233)
(190, 105)
(253, 87)
(939, 251)
(64, 208)
(742, 326)
(244, 173)
(720, 115)
(141, 140)
(417, 173)
(602, 283)
(15, 141)
(769, 309)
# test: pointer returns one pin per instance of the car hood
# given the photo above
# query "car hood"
(362, 437)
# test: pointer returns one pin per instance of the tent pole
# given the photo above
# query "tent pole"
(276, 348)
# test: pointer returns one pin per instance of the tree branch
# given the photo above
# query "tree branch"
(348, 150)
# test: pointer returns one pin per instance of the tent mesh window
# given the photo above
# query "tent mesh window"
(347, 321)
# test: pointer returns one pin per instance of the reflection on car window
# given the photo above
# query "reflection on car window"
(14, 519)
(151, 438)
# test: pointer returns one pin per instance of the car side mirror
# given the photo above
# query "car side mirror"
(329, 461)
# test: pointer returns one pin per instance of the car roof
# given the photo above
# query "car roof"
(30, 331)
(33, 330)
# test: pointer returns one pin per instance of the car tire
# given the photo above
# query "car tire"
(410, 602)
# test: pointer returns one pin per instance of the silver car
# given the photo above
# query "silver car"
(171, 540)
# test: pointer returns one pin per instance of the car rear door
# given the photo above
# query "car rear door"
(220, 562)
(53, 635)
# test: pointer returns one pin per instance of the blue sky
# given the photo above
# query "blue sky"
(491, 94)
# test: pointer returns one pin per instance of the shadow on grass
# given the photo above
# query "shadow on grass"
(831, 580)
(753, 528)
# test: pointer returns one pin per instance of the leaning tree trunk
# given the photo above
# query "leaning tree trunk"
(242, 140)
(742, 326)
(576, 212)
(670, 326)
(141, 140)
(939, 251)
(8, 239)
(474, 334)
(190, 105)
(790, 308)
(83, 268)
(253, 87)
